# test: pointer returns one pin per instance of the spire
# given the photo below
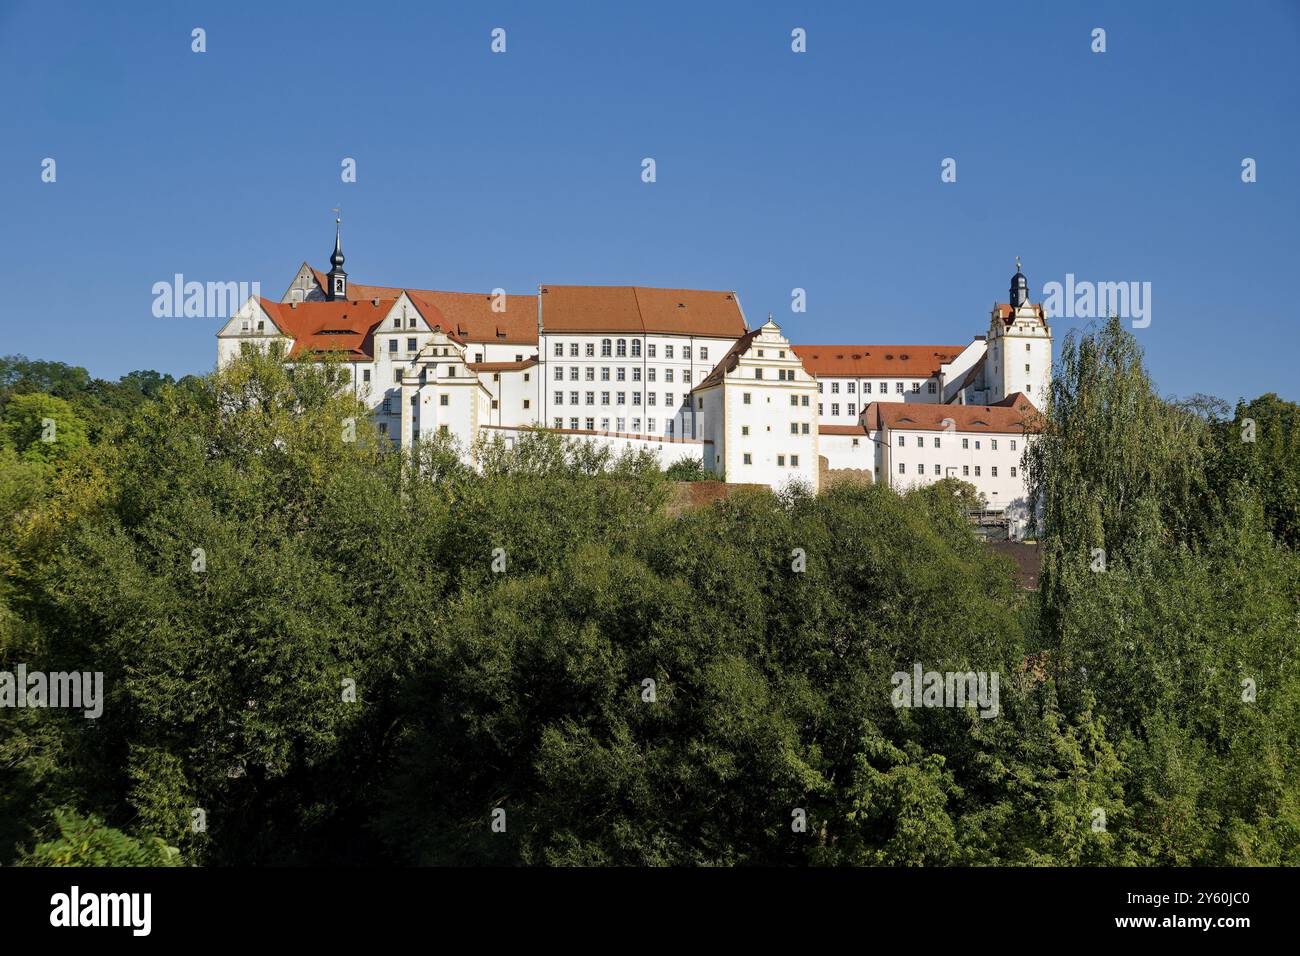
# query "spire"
(1019, 288)
(337, 287)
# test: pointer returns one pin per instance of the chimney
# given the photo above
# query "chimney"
(375, 301)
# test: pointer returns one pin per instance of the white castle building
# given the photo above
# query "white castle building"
(675, 371)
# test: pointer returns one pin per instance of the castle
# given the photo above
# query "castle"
(675, 371)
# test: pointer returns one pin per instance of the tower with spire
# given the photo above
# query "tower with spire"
(337, 287)
(1019, 357)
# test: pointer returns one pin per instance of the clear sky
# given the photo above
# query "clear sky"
(775, 170)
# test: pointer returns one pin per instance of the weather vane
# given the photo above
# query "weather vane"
(338, 213)
(1017, 263)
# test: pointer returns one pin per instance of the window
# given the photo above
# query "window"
(573, 423)
(853, 409)
(920, 442)
(591, 398)
(605, 347)
(758, 373)
(803, 400)
(444, 430)
(636, 373)
(993, 471)
(668, 351)
(965, 443)
(620, 398)
(650, 425)
(243, 326)
(916, 388)
(261, 325)
(902, 468)
(901, 440)
(668, 427)
(590, 351)
(794, 400)
(651, 372)
(388, 406)
(444, 400)
(392, 346)
(1013, 444)
(936, 470)
(835, 408)
(636, 399)
(835, 388)
(701, 404)
(573, 373)
(526, 403)
(686, 375)
(780, 459)
(930, 387)
(1026, 346)
(898, 388)
(622, 348)
(668, 375)
(559, 350)
(686, 352)
(794, 461)
(1013, 471)
(604, 424)
(744, 430)
(977, 444)
(668, 399)
(650, 352)
(636, 348)
(559, 373)
(704, 354)
(1026, 368)
(365, 377)
(977, 471)
(866, 388)
(746, 398)
(559, 422)
(936, 442)
(652, 398)
(495, 404)
(589, 374)
(397, 375)
(852, 387)
(620, 424)
(804, 426)
(559, 399)
(591, 424)
(965, 471)
(573, 398)
(993, 444)
(794, 428)
(397, 322)
(819, 409)
(604, 374)
(748, 458)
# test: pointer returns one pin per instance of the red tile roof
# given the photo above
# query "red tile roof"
(875, 361)
(1005, 314)
(638, 310)
(728, 361)
(339, 327)
(1015, 413)
(502, 366)
(470, 315)
(854, 430)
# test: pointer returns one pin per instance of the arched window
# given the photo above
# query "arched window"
(636, 348)
(622, 348)
(605, 346)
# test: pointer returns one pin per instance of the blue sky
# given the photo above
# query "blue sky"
(775, 170)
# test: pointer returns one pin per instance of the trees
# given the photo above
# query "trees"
(342, 653)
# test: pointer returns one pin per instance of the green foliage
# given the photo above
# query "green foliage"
(343, 653)
(41, 428)
(689, 469)
(86, 841)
